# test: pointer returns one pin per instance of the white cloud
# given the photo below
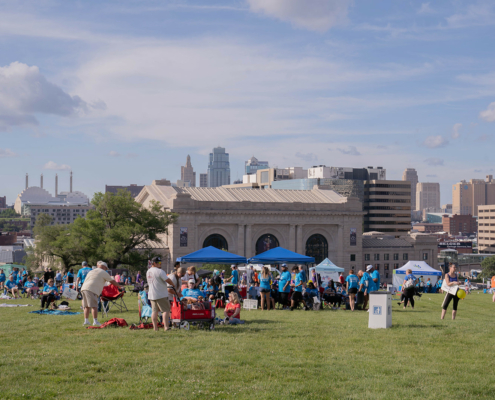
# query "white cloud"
(434, 162)
(434, 142)
(315, 15)
(57, 167)
(489, 114)
(456, 131)
(25, 92)
(425, 9)
(308, 157)
(480, 14)
(4, 153)
(352, 151)
(114, 154)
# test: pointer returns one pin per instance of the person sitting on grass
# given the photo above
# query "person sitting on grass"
(30, 287)
(309, 293)
(191, 293)
(49, 293)
(211, 289)
(11, 287)
(232, 310)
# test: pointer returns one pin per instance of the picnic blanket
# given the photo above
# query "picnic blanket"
(15, 305)
(54, 312)
(115, 322)
(5, 297)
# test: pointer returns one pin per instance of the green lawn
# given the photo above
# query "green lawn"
(275, 355)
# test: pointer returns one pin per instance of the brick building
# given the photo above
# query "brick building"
(425, 227)
(460, 224)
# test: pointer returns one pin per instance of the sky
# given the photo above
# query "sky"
(121, 92)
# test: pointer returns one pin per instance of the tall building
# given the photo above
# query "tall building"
(187, 173)
(428, 196)
(203, 180)
(467, 196)
(253, 164)
(411, 175)
(3, 202)
(133, 188)
(486, 234)
(388, 206)
(219, 168)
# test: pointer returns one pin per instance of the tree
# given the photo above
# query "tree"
(488, 267)
(9, 213)
(118, 230)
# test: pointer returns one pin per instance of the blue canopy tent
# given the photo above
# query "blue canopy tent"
(280, 255)
(327, 270)
(212, 255)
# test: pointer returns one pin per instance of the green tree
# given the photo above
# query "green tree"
(9, 213)
(488, 267)
(118, 230)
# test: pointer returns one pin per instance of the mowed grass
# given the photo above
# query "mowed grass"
(275, 355)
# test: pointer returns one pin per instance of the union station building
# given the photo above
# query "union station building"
(318, 223)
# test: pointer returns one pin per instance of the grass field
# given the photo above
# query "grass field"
(275, 355)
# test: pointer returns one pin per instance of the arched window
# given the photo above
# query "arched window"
(265, 243)
(317, 247)
(217, 241)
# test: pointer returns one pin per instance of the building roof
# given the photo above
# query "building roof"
(379, 242)
(262, 195)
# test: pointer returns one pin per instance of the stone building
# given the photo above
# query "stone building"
(187, 173)
(320, 223)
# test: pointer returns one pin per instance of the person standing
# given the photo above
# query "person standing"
(303, 274)
(368, 284)
(265, 287)
(352, 286)
(341, 279)
(284, 287)
(81, 274)
(92, 288)
(297, 286)
(158, 293)
(234, 278)
(250, 276)
(375, 277)
(408, 288)
(2, 279)
(175, 288)
(451, 280)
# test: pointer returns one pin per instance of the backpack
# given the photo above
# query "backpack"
(219, 304)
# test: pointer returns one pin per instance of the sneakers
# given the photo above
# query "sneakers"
(86, 323)
(96, 323)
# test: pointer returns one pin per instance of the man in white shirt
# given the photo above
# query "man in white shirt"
(92, 288)
(158, 293)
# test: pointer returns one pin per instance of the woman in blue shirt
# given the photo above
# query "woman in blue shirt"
(297, 287)
(352, 286)
(408, 288)
(29, 286)
(11, 287)
(265, 287)
(284, 287)
(2, 279)
(49, 294)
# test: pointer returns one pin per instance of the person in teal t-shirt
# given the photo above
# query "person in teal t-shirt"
(375, 278)
(298, 288)
(284, 286)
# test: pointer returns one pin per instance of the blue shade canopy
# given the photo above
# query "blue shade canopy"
(212, 255)
(280, 255)
(327, 266)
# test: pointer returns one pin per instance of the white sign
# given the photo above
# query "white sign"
(70, 293)
(250, 304)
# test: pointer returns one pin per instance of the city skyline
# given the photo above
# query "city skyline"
(403, 85)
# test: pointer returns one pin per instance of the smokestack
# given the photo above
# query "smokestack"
(71, 181)
(41, 181)
(56, 185)
(27, 181)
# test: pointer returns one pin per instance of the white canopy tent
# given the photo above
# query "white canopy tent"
(419, 269)
(327, 270)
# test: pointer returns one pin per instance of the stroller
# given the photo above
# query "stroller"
(138, 287)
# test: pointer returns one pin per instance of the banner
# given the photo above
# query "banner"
(183, 237)
(353, 236)
(455, 245)
(69, 293)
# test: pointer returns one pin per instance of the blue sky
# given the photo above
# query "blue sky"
(121, 91)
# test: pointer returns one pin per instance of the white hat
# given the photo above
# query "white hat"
(191, 281)
(369, 267)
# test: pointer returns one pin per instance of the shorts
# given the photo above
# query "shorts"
(162, 305)
(352, 290)
(89, 299)
(265, 290)
(296, 296)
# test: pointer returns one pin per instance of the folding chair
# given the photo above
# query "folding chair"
(111, 296)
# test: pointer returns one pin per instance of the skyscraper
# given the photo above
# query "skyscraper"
(411, 175)
(253, 164)
(219, 168)
(187, 173)
(203, 180)
(428, 196)
(467, 196)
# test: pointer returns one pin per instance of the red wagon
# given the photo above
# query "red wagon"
(182, 316)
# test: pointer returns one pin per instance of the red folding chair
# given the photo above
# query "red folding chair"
(111, 296)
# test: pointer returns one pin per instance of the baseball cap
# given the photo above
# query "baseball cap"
(191, 281)
(284, 265)
(84, 263)
(156, 259)
(369, 267)
(233, 266)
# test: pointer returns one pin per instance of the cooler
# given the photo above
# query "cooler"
(380, 310)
